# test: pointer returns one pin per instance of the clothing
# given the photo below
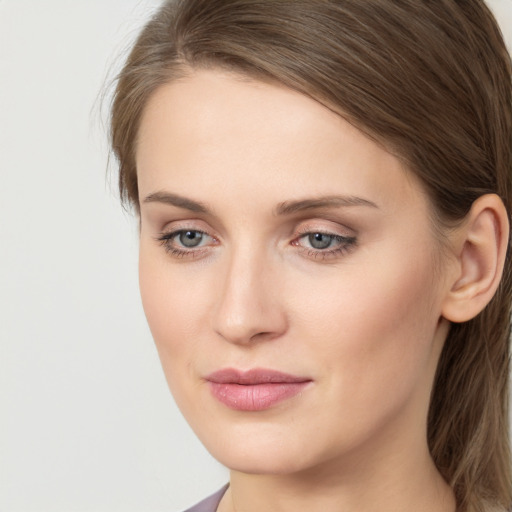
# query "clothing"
(209, 504)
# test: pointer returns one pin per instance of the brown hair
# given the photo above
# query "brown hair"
(431, 80)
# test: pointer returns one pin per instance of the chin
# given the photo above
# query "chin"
(263, 448)
(262, 461)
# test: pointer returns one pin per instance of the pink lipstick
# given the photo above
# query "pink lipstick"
(254, 390)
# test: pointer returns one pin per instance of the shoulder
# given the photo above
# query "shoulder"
(209, 504)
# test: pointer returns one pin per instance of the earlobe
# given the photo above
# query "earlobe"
(482, 245)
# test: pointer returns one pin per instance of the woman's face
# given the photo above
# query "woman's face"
(289, 274)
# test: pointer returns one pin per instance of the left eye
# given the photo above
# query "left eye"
(320, 240)
(318, 244)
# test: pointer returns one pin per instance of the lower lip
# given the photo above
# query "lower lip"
(255, 397)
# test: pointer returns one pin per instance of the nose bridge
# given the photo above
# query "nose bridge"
(248, 304)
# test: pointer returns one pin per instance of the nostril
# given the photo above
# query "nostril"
(247, 310)
(253, 330)
(264, 336)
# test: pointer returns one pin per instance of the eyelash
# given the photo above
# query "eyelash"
(344, 244)
(166, 240)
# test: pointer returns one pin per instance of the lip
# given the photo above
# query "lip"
(256, 389)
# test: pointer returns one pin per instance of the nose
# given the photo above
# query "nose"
(249, 307)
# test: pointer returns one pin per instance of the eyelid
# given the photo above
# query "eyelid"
(346, 240)
(170, 235)
(171, 230)
(325, 227)
(343, 239)
(180, 224)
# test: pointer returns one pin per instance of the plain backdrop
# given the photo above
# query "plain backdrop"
(86, 420)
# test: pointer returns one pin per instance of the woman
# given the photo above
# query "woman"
(324, 191)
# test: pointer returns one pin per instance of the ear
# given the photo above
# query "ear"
(480, 248)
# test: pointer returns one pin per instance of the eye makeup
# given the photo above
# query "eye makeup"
(324, 245)
(311, 243)
(184, 243)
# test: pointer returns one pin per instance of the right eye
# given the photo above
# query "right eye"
(189, 239)
(185, 242)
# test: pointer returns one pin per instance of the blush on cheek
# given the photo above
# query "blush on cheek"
(175, 310)
(386, 330)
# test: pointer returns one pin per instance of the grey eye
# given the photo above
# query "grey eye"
(320, 240)
(190, 238)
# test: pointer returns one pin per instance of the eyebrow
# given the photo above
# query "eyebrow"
(285, 208)
(176, 200)
(289, 207)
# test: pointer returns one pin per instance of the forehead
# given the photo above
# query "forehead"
(214, 132)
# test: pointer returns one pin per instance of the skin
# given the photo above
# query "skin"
(361, 319)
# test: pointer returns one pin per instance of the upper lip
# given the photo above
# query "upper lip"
(253, 377)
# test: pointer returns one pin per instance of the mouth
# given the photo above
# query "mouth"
(254, 390)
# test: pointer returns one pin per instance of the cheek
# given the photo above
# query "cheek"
(368, 300)
(175, 307)
(372, 330)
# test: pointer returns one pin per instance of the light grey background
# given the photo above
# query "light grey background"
(86, 420)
